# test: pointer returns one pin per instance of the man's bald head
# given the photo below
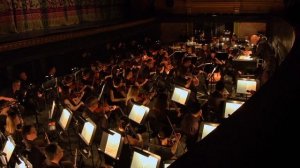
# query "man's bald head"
(254, 39)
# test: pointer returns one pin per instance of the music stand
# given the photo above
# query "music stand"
(23, 163)
(111, 143)
(64, 122)
(138, 113)
(231, 106)
(180, 95)
(8, 150)
(88, 132)
(206, 128)
(51, 123)
(145, 159)
(87, 135)
(245, 86)
(65, 119)
(167, 163)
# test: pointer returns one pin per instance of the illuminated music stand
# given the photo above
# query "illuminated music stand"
(138, 113)
(8, 150)
(231, 106)
(65, 119)
(88, 132)
(206, 128)
(167, 163)
(87, 135)
(51, 123)
(111, 144)
(245, 86)
(64, 122)
(145, 159)
(23, 163)
(180, 95)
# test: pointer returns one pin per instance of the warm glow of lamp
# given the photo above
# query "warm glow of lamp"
(180, 95)
(138, 113)
(245, 86)
(231, 107)
(145, 159)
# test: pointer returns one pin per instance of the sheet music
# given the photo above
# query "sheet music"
(137, 113)
(231, 108)
(113, 143)
(180, 95)
(245, 85)
(64, 118)
(87, 132)
(8, 150)
(207, 129)
(142, 161)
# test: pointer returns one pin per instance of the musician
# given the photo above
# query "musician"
(3, 98)
(190, 124)
(33, 146)
(14, 124)
(215, 103)
(264, 50)
(13, 91)
(117, 92)
(165, 144)
(52, 71)
(54, 154)
(98, 114)
(27, 93)
(131, 138)
(183, 71)
(144, 73)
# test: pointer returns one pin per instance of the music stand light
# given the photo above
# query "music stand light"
(245, 85)
(111, 143)
(65, 119)
(180, 95)
(145, 159)
(88, 132)
(231, 106)
(206, 128)
(8, 150)
(138, 113)
(23, 163)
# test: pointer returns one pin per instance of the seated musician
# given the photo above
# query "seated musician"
(98, 114)
(190, 124)
(71, 98)
(165, 144)
(33, 146)
(215, 103)
(14, 124)
(54, 154)
(144, 73)
(131, 138)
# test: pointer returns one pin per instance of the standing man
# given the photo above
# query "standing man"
(264, 50)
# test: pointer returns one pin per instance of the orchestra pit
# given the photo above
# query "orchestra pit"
(148, 83)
